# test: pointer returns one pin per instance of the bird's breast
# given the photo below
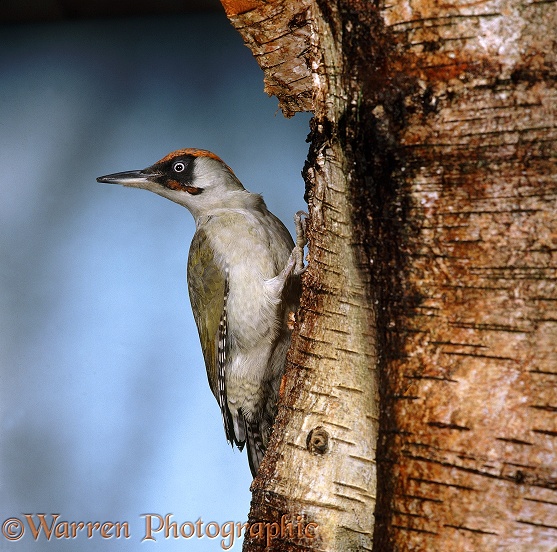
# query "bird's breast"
(252, 254)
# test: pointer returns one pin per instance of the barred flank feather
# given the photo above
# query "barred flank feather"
(222, 350)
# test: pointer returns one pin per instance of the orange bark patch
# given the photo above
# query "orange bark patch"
(236, 7)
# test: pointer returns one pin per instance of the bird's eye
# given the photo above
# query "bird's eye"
(179, 167)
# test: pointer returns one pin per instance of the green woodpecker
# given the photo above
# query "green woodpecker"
(243, 280)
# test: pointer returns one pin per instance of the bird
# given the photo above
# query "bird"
(244, 282)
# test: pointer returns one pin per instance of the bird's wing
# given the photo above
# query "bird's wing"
(208, 289)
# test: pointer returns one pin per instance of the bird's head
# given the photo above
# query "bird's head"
(194, 178)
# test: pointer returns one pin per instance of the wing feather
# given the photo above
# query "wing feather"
(208, 289)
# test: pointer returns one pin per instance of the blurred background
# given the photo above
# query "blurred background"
(105, 411)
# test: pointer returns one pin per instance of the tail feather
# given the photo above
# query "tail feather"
(255, 447)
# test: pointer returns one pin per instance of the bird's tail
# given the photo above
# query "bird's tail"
(255, 446)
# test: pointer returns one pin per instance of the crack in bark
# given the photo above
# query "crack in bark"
(472, 530)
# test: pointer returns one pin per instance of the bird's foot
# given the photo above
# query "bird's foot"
(301, 241)
(295, 265)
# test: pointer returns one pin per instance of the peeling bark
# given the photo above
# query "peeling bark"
(277, 32)
(433, 238)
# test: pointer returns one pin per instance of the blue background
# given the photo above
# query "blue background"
(105, 411)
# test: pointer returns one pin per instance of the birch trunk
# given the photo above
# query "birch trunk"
(425, 354)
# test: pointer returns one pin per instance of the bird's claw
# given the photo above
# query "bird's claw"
(301, 241)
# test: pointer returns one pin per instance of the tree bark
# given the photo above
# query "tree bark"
(470, 458)
(430, 299)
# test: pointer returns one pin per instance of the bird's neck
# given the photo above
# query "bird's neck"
(237, 200)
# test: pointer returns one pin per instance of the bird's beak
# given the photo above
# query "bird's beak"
(135, 179)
